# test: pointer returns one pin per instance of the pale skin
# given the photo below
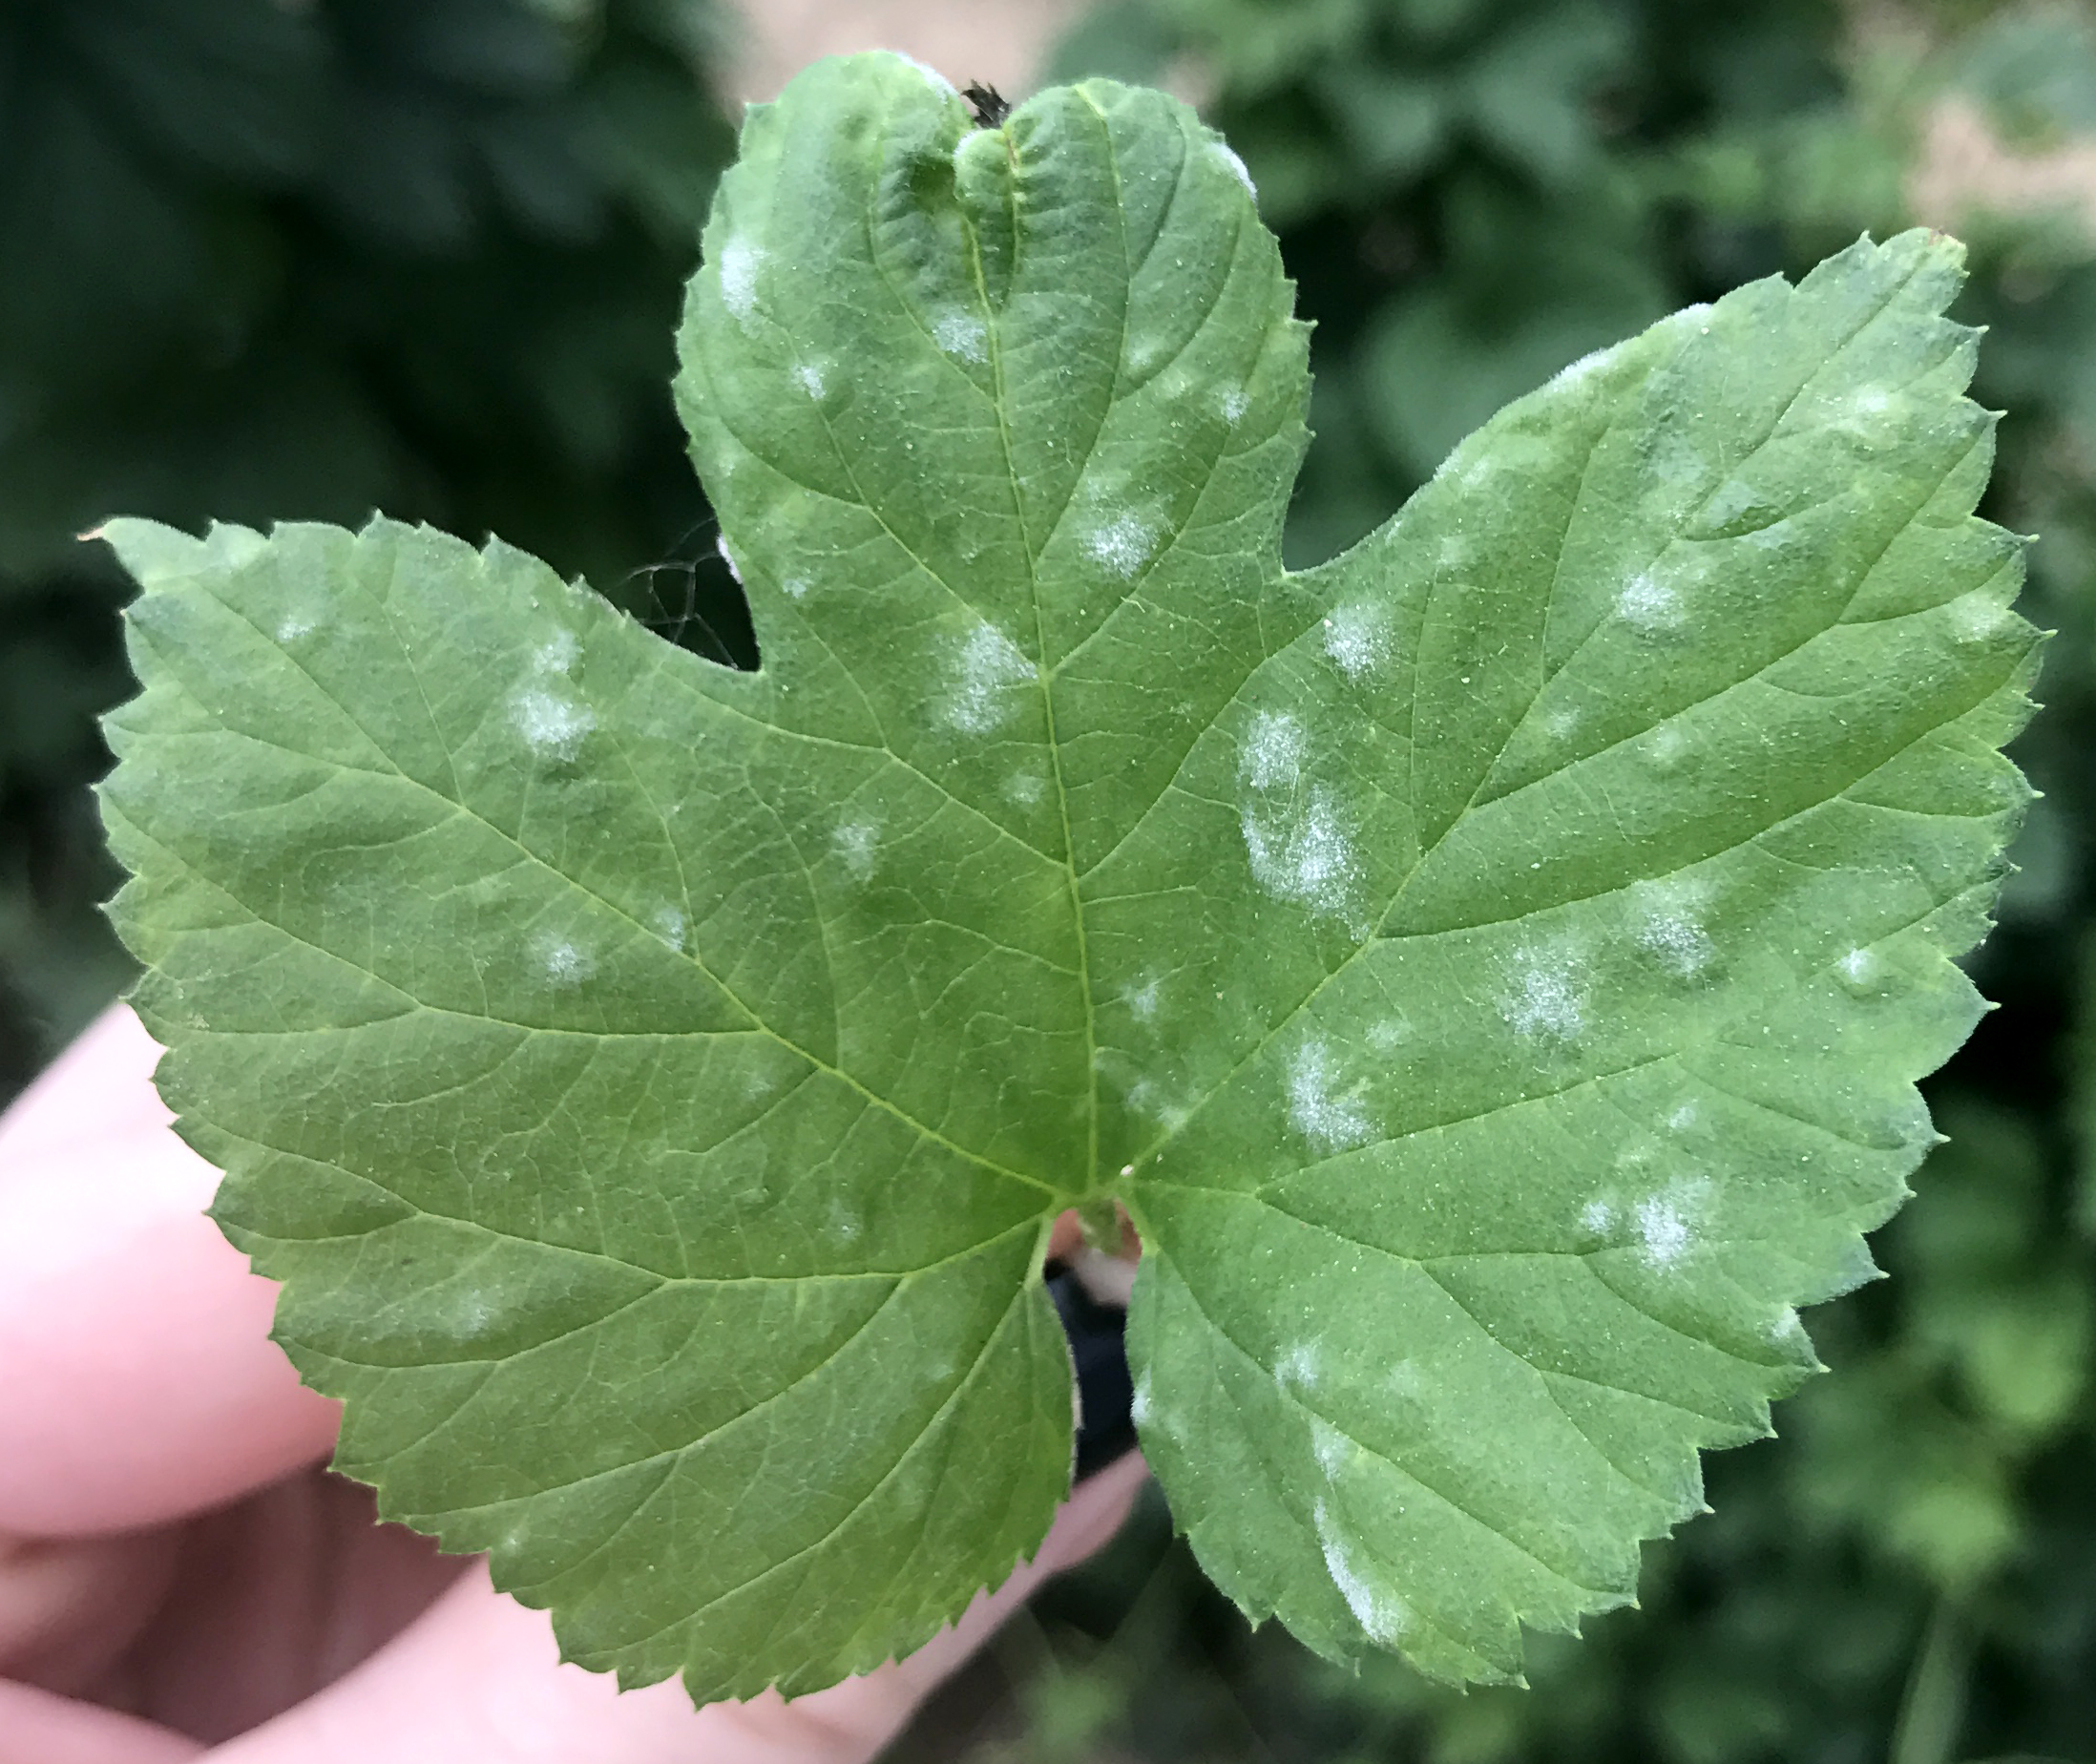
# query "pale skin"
(181, 1578)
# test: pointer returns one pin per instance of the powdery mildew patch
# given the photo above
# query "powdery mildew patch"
(562, 962)
(989, 665)
(1378, 1610)
(1357, 639)
(1123, 545)
(1548, 998)
(961, 335)
(740, 262)
(1332, 1120)
(858, 844)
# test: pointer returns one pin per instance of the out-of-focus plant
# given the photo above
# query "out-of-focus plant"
(1471, 194)
(281, 260)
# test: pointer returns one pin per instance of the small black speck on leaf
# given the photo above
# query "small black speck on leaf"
(988, 103)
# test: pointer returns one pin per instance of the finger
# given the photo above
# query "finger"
(478, 1677)
(40, 1728)
(137, 1379)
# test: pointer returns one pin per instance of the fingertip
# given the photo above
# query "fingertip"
(37, 1727)
(137, 1381)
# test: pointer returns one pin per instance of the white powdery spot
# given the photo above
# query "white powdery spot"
(1233, 404)
(1142, 1000)
(1123, 546)
(1665, 748)
(1271, 758)
(1548, 998)
(1380, 1612)
(1682, 1116)
(794, 587)
(558, 652)
(857, 843)
(962, 334)
(844, 1222)
(1977, 617)
(1649, 603)
(1582, 370)
(1025, 789)
(295, 625)
(1307, 858)
(1858, 969)
(720, 546)
(1670, 930)
(562, 962)
(1331, 1121)
(671, 927)
(553, 727)
(1298, 1368)
(1786, 1326)
(932, 77)
(1331, 1448)
(740, 262)
(1389, 1034)
(1666, 1224)
(810, 378)
(1139, 1408)
(1357, 639)
(990, 664)
(1235, 166)
(1598, 1216)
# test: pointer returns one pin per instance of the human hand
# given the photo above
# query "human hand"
(181, 1579)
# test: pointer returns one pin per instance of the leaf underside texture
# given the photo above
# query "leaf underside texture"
(1492, 969)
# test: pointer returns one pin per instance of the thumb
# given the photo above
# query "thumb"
(478, 1676)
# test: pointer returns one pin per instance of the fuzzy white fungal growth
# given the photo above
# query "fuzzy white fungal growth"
(561, 961)
(1357, 639)
(1271, 758)
(1858, 967)
(1649, 603)
(1380, 1612)
(1235, 166)
(553, 727)
(295, 625)
(810, 378)
(1298, 1368)
(989, 665)
(1025, 789)
(1598, 1216)
(1233, 405)
(1138, 1407)
(1665, 1222)
(740, 262)
(721, 547)
(961, 334)
(558, 652)
(1548, 998)
(1331, 1121)
(671, 927)
(1582, 370)
(857, 843)
(1679, 943)
(1123, 546)
(1141, 1000)
(794, 587)
(932, 77)
(1330, 1447)
(1304, 856)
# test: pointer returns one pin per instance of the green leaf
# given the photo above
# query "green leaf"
(1491, 968)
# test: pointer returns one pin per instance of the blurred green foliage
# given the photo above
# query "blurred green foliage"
(1472, 194)
(301, 258)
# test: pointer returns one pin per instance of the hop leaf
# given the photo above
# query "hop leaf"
(1491, 969)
